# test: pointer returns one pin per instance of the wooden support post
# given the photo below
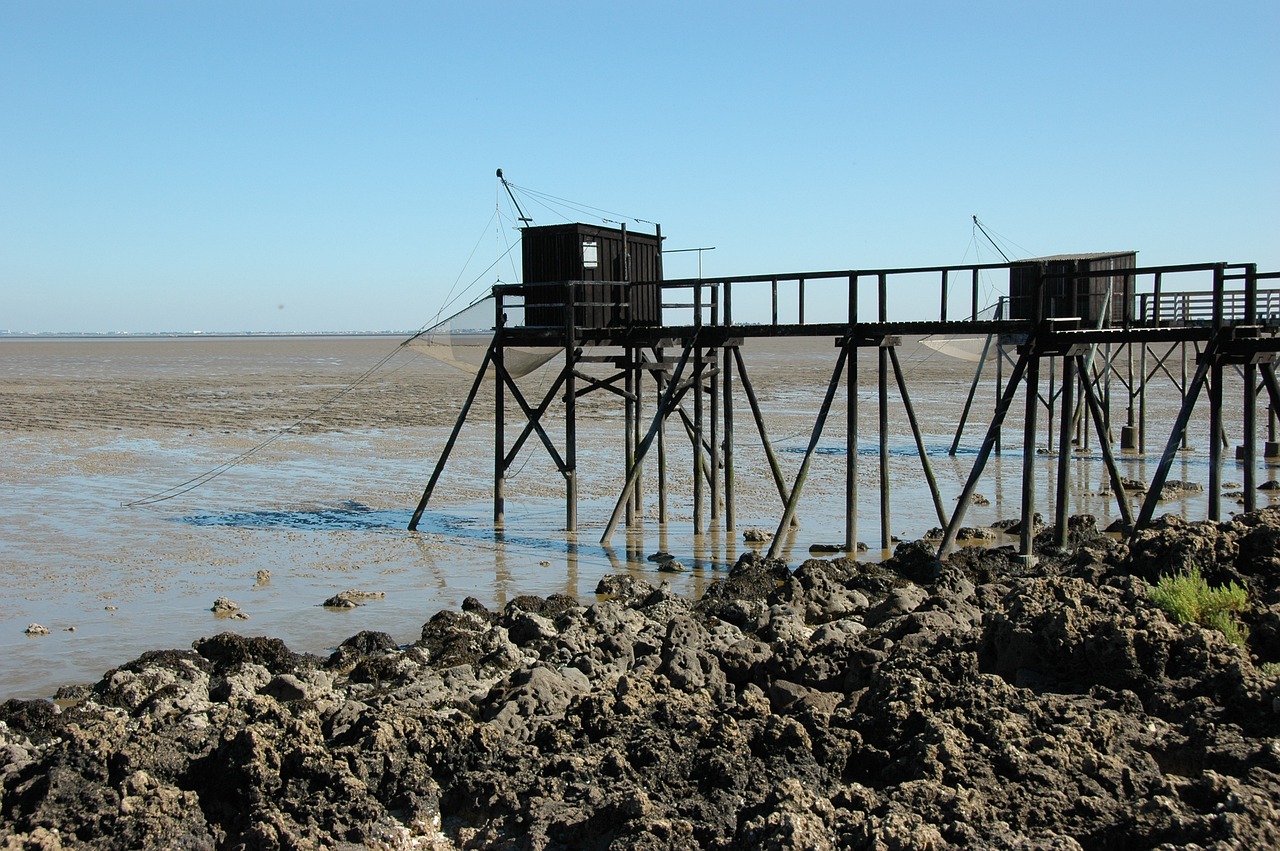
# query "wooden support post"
(664, 406)
(1250, 437)
(1026, 540)
(886, 534)
(662, 443)
(977, 377)
(698, 443)
(1269, 381)
(713, 398)
(851, 426)
(915, 431)
(637, 362)
(1176, 437)
(1130, 431)
(1062, 508)
(942, 313)
(499, 420)
(730, 503)
(1250, 396)
(1142, 402)
(1106, 386)
(988, 445)
(1026, 546)
(999, 386)
(1050, 404)
(770, 456)
(1108, 455)
(1215, 403)
(882, 311)
(851, 454)
(775, 546)
(730, 499)
(704, 469)
(628, 416)
(534, 417)
(1186, 439)
(453, 438)
(570, 414)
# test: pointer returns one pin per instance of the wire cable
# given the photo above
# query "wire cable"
(208, 476)
(544, 197)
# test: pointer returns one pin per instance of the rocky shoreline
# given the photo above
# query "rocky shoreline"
(975, 702)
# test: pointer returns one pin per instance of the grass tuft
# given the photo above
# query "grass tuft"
(1190, 599)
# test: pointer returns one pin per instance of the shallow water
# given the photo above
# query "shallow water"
(89, 426)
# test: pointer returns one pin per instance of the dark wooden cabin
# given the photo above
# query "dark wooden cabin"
(1071, 291)
(615, 274)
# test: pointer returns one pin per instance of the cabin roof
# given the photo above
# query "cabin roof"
(1094, 255)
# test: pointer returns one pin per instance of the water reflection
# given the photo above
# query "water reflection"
(350, 515)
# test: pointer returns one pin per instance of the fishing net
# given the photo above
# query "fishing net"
(462, 340)
(973, 349)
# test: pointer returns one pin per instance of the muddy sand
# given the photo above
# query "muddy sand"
(93, 427)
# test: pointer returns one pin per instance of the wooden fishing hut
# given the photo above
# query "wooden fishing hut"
(616, 275)
(598, 295)
(1094, 288)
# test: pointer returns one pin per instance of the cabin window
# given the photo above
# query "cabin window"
(590, 255)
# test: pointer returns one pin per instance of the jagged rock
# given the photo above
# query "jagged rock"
(1013, 526)
(916, 560)
(352, 598)
(224, 607)
(970, 702)
(624, 587)
(1176, 489)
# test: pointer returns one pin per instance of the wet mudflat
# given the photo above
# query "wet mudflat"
(93, 426)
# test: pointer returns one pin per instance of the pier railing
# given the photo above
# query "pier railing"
(931, 299)
(1185, 308)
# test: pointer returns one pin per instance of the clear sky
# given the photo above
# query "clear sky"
(307, 166)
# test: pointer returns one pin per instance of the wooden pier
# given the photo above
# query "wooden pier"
(1076, 320)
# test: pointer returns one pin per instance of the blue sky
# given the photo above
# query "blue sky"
(330, 165)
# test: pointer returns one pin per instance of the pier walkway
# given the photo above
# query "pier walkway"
(668, 342)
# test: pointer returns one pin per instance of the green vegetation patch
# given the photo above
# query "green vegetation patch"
(1190, 599)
